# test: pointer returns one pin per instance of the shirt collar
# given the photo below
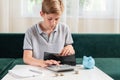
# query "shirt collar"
(40, 30)
(56, 28)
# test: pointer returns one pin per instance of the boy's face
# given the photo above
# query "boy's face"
(50, 20)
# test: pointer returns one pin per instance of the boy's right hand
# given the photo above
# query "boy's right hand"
(49, 62)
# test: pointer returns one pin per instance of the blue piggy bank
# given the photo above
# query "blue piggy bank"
(88, 62)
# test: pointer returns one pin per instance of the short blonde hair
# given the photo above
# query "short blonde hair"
(52, 6)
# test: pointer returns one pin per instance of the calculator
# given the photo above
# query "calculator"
(60, 68)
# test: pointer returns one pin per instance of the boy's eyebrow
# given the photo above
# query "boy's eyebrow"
(55, 18)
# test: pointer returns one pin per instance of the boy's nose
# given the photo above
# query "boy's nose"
(53, 22)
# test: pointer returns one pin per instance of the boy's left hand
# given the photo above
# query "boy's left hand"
(67, 50)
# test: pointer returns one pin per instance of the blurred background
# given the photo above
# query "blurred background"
(83, 16)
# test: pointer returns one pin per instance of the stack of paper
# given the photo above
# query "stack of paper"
(24, 73)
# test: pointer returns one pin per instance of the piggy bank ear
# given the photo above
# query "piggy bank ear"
(90, 57)
(84, 57)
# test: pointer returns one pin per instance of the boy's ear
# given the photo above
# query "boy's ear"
(41, 13)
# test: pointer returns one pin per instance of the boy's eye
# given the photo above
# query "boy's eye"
(56, 19)
(49, 19)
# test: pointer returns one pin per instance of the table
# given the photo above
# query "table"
(82, 74)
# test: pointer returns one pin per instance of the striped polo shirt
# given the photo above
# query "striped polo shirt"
(39, 42)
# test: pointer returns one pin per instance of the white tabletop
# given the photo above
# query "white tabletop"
(82, 74)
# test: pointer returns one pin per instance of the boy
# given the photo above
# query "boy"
(47, 36)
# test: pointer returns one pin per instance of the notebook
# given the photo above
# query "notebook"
(24, 73)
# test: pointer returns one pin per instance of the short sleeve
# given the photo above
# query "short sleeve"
(27, 45)
(68, 37)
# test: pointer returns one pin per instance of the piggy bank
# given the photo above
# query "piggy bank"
(88, 62)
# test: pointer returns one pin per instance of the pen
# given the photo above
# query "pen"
(36, 71)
